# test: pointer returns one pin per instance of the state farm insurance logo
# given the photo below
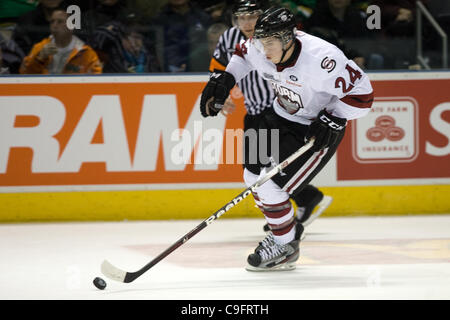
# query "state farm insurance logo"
(385, 128)
(388, 133)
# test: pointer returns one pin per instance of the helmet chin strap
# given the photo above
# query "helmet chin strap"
(284, 53)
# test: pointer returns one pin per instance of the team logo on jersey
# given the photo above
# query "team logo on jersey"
(289, 100)
(328, 64)
(293, 78)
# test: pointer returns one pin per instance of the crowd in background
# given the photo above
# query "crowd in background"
(139, 36)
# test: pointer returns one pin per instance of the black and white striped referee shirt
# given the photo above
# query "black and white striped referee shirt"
(258, 93)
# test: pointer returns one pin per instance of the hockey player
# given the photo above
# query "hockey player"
(317, 90)
(258, 97)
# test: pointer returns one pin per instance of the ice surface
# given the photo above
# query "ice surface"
(341, 258)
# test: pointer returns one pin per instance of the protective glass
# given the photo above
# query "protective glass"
(243, 19)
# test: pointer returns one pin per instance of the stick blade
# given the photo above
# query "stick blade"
(113, 272)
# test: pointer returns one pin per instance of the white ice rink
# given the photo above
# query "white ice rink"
(341, 258)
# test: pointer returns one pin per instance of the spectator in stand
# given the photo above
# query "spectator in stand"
(184, 28)
(336, 20)
(147, 9)
(102, 12)
(219, 11)
(398, 17)
(3, 70)
(11, 56)
(339, 15)
(214, 33)
(61, 53)
(33, 26)
(124, 49)
(11, 10)
(302, 9)
(396, 37)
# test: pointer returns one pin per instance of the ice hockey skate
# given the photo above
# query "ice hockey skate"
(306, 215)
(267, 242)
(271, 256)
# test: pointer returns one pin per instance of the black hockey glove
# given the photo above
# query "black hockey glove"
(326, 129)
(216, 92)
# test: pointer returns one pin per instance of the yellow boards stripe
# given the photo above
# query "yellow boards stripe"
(200, 204)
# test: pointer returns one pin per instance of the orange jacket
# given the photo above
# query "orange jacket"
(214, 64)
(82, 59)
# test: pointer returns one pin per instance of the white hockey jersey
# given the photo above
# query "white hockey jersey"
(320, 77)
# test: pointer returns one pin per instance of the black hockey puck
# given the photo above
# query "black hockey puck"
(99, 283)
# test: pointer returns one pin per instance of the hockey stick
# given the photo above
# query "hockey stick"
(117, 274)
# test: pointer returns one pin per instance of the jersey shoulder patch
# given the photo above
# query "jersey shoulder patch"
(328, 64)
(330, 60)
(241, 49)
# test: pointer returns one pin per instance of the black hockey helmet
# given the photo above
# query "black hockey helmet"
(247, 7)
(276, 22)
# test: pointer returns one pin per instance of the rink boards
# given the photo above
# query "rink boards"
(136, 147)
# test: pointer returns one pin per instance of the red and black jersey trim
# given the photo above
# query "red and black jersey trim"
(362, 101)
(307, 170)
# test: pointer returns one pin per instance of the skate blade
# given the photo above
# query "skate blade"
(303, 236)
(325, 203)
(281, 267)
